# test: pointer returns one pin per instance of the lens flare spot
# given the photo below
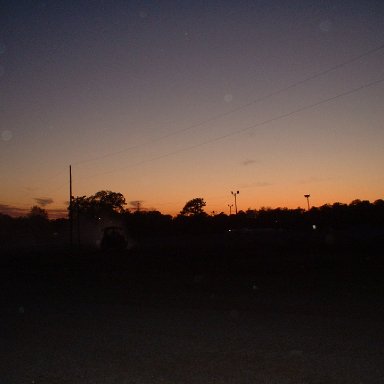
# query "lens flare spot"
(325, 26)
(6, 135)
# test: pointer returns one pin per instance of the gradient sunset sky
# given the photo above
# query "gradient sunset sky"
(165, 101)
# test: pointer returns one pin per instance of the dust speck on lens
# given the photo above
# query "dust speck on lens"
(325, 26)
(6, 135)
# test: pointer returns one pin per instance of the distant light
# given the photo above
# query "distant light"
(314, 227)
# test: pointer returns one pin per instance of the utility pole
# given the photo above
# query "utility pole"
(137, 204)
(70, 208)
(234, 194)
(307, 197)
(230, 209)
(78, 224)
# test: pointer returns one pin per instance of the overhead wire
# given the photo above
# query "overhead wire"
(237, 109)
(232, 111)
(242, 130)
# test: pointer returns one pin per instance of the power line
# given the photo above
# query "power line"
(242, 130)
(240, 108)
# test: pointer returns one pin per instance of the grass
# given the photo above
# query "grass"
(193, 310)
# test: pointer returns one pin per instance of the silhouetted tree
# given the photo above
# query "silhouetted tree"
(379, 203)
(37, 212)
(92, 214)
(113, 201)
(103, 204)
(37, 223)
(194, 207)
(147, 223)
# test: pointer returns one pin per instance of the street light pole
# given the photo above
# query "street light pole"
(307, 197)
(235, 194)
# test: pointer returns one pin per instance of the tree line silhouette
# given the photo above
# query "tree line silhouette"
(90, 214)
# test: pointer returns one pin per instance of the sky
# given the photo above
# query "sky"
(165, 101)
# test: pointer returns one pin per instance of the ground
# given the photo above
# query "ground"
(191, 311)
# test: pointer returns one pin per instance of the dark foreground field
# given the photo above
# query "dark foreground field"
(194, 309)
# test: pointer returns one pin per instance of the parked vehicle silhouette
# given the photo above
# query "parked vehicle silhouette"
(113, 239)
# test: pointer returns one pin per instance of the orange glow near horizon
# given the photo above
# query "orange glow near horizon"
(272, 101)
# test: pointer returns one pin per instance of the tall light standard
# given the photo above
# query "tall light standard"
(234, 194)
(307, 197)
(230, 209)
